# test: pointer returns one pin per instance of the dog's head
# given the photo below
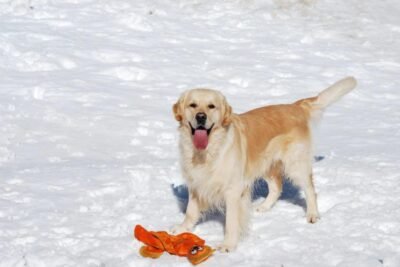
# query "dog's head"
(201, 112)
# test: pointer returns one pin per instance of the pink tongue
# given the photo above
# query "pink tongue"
(200, 139)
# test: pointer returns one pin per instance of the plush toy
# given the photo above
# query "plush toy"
(185, 245)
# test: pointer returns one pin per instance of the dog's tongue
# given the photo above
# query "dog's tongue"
(200, 139)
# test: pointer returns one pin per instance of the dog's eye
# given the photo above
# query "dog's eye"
(193, 105)
(211, 106)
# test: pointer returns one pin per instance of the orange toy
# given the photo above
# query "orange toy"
(185, 245)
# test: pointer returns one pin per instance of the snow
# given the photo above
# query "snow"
(88, 144)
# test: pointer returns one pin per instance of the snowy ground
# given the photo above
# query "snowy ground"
(88, 144)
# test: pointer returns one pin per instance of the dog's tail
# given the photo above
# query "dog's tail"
(315, 105)
(333, 93)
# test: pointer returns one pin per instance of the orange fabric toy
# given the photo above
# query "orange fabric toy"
(186, 245)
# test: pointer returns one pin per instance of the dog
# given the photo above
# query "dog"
(223, 153)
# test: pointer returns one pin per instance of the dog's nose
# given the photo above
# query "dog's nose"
(201, 118)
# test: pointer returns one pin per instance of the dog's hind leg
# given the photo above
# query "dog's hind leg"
(274, 180)
(311, 200)
(301, 174)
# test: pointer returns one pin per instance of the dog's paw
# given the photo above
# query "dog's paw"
(179, 229)
(312, 217)
(226, 248)
(261, 208)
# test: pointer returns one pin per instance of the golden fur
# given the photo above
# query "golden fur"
(268, 142)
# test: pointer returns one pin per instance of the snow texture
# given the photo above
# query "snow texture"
(88, 144)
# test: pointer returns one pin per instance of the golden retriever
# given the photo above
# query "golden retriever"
(223, 153)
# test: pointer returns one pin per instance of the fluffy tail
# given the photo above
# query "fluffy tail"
(334, 92)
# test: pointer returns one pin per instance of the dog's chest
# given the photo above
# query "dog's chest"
(199, 170)
(207, 185)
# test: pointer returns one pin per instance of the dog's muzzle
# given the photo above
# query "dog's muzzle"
(201, 118)
(200, 136)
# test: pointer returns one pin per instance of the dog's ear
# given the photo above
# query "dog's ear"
(177, 111)
(227, 113)
(177, 108)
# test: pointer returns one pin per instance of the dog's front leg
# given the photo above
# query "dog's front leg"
(232, 223)
(192, 216)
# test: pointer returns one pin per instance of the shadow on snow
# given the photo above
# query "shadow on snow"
(290, 193)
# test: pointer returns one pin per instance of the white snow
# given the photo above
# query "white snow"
(88, 144)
